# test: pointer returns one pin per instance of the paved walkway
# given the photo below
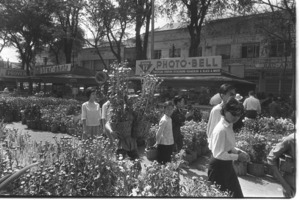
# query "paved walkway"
(258, 187)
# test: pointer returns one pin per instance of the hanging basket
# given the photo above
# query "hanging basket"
(123, 128)
(151, 153)
(141, 129)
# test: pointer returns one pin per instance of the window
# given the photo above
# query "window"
(173, 52)
(250, 50)
(278, 49)
(224, 51)
(157, 54)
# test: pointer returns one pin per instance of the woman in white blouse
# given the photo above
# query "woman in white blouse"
(91, 115)
(221, 171)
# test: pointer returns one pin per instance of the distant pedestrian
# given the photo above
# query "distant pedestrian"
(222, 145)
(178, 119)
(91, 115)
(252, 106)
(164, 135)
(226, 91)
(274, 108)
(282, 161)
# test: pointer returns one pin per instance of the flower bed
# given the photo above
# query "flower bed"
(87, 168)
(46, 114)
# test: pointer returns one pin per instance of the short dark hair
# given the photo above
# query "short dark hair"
(226, 88)
(233, 106)
(167, 104)
(251, 92)
(89, 91)
(177, 99)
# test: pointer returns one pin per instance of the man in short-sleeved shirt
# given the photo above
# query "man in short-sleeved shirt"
(285, 175)
(252, 106)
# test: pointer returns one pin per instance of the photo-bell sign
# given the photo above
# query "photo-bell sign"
(210, 65)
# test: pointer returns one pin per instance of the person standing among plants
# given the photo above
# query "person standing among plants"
(252, 106)
(226, 91)
(91, 115)
(282, 161)
(178, 119)
(164, 135)
(224, 151)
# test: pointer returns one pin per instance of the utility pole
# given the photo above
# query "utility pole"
(152, 31)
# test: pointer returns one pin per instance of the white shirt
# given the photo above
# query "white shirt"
(164, 134)
(252, 103)
(223, 141)
(214, 118)
(91, 112)
(215, 100)
(105, 110)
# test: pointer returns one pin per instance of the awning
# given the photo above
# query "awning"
(221, 78)
(66, 78)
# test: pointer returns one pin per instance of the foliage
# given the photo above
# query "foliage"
(145, 104)
(197, 187)
(118, 88)
(70, 167)
(194, 134)
(259, 135)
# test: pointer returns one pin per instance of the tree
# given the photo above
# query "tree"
(196, 12)
(117, 21)
(67, 16)
(143, 12)
(26, 24)
(95, 17)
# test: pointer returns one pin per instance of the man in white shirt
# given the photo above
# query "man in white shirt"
(215, 100)
(226, 91)
(252, 106)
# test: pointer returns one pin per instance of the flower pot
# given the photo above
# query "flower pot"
(256, 169)
(151, 153)
(240, 168)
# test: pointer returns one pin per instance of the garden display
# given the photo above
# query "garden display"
(40, 113)
(87, 168)
(194, 140)
(257, 138)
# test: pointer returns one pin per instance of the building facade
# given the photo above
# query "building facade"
(245, 50)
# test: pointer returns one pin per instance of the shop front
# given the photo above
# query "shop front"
(64, 79)
(10, 78)
(198, 78)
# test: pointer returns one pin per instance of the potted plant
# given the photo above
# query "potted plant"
(151, 151)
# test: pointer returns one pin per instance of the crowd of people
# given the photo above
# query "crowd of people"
(229, 110)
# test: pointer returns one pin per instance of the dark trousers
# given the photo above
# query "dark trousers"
(252, 114)
(164, 153)
(222, 173)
